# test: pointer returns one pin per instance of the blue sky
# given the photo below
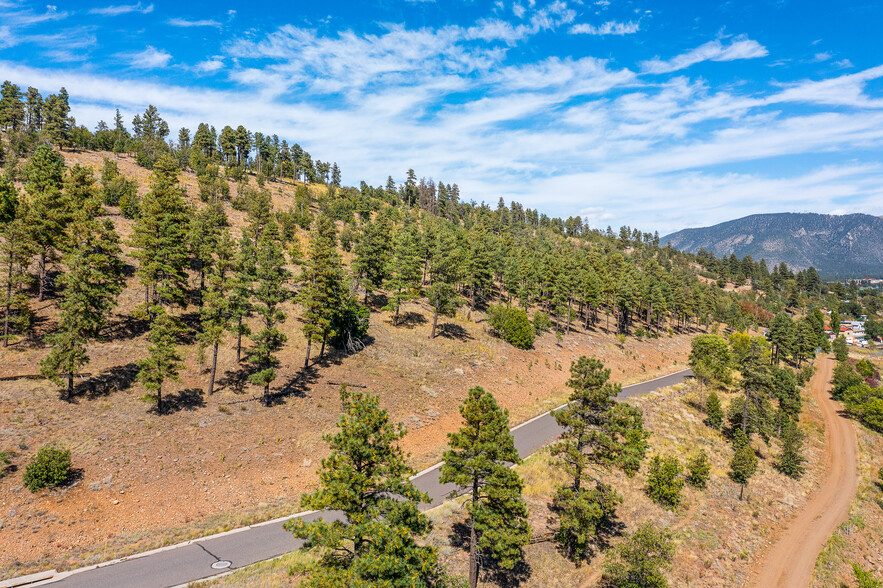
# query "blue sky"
(659, 114)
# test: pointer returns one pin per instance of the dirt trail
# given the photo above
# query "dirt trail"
(789, 563)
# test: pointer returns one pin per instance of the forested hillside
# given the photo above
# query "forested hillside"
(196, 313)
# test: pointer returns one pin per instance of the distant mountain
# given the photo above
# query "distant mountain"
(847, 246)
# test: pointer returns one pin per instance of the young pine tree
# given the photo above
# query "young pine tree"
(404, 278)
(714, 412)
(790, 461)
(373, 254)
(322, 292)
(641, 560)
(599, 434)
(743, 465)
(48, 210)
(366, 477)
(163, 358)
(160, 238)
(478, 461)
(269, 293)
(664, 482)
(444, 272)
(93, 280)
(698, 469)
(242, 281)
(16, 251)
(216, 308)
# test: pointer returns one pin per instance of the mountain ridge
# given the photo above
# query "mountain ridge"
(838, 246)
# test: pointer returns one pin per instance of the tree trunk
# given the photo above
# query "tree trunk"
(70, 386)
(434, 322)
(239, 341)
(42, 264)
(159, 400)
(267, 394)
(322, 350)
(473, 541)
(307, 360)
(211, 381)
(741, 490)
(395, 318)
(745, 415)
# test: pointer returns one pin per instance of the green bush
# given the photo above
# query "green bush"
(865, 368)
(511, 325)
(5, 463)
(541, 322)
(865, 579)
(49, 468)
(640, 560)
(698, 469)
(664, 482)
(714, 411)
(790, 461)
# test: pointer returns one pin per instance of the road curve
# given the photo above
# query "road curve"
(180, 564)
(790, 562)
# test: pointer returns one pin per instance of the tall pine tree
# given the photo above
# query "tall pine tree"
(163, 361)
(478, 461)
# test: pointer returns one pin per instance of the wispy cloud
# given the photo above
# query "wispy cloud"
(119, 9)
(740, 48)
(608, 28)
(208, 66)
(183, 22)
(149, 58)
(26, 18)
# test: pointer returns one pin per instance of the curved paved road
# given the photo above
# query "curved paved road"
(177, 565)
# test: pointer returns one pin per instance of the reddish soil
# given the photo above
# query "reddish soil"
(791, 560)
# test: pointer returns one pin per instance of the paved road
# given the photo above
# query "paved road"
(177, 565)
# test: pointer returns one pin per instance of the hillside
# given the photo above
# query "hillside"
(847, 246)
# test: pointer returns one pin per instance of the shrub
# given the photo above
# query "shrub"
(49, 468)
(130, 204)
(640, 560)
(714, 411)
(698, 469)
(865, 579)
(865, 368)
(511, 325)
(790, 461)
(664, 482)
(541, 322)
(5, 463)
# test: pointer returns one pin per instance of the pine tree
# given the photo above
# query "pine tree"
(790, 461)
(16, 249)
(599, 433)
(160, 238)
(163, 358)
(710, 359)
(444, 271)
(322, 286)
(640, 560)
(373, 254)
(269, 292)
(477, 461)
(743, 465)
(403, 282)
(216, 309)
(714, 412)
(366, 477)
(93, 280)
(57, 122)
(782, 337)
(205, 230)
(241, 290)
(48, 210)
(698, 468)
(664, 482)
(756, 383)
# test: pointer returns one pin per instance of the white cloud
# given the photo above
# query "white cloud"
(820, 57)
(741, 48)
(210, 65)
(119, 9)
(184, 23)
(608, 28)
(843, 64)
(150, 58)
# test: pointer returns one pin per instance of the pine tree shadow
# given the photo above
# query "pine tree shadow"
(297, 386)
(452, 331)
(116, 379)
(126, 327)
(189, 399)
(192, 323)
(410, 319)
(237, 380)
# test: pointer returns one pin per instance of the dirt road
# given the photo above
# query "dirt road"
(789, 563)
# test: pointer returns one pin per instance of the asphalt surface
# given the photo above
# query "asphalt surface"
(179, 564)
